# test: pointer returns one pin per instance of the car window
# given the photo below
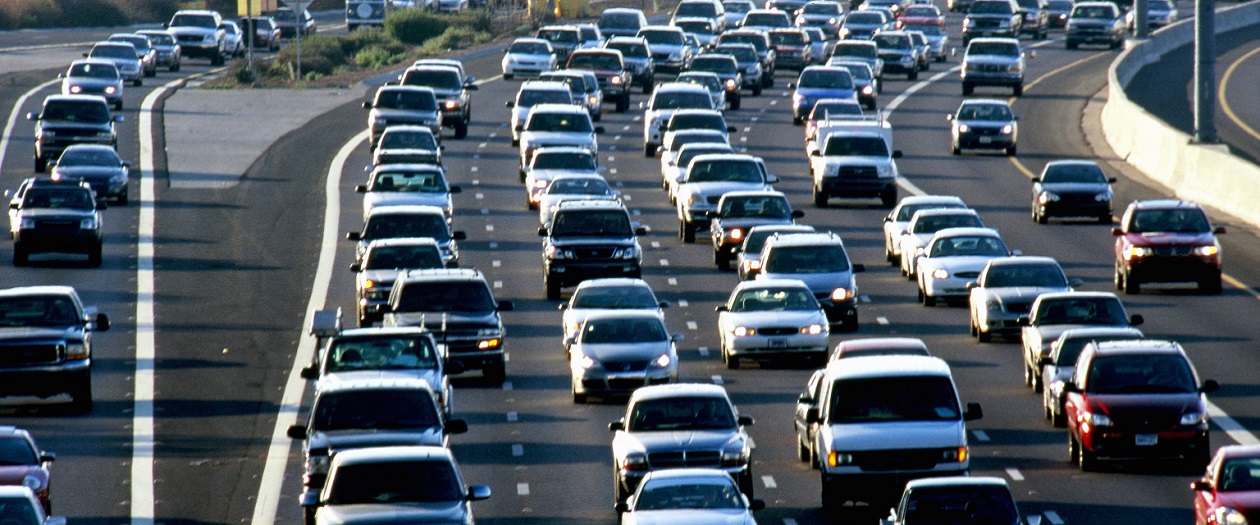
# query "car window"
(17, 451)
(991, 112)
(681, 413)
(1074, 173)
(696, 9)
(38, 310)
(680, 100)
(379, 409)
(404, 99)
(564, 161)
(991, 505)
(826, 79)
(856, 146)
(604, 331)
(689, 494)
(615, 297)
(77, 111)
(629, 49)
(68, 198)
(696, 121)
(685, 137)
(717, 65)
(860, 51)
(990, 8)
(774, 300)
(532, 97)
(724, 171)
(926, 29)
(967, 246)
(904, 398)
(695, 26)
(1103, 12)
(579, 186)
(595, 61)
(431, 181)
(1133, 374)
(88, 157)
(391, 226)
(94, 71)
(787, 38)
(711, 83)
(741, 54)
(821, 8)
(864, 18)
(906, 212)
(892, 41)
(393, 139)
(1186, 220)
(1039, 275)
(382, 353)
(559, 122)
(590, 223)
(449, 296)
(1240, 474)
(993, 48)
(1082, 310)
(807, 259)
(559, 36)
(685, 155)
(1067, 350)
(18, 509)
(192, 21)
(935, 223)
(528, 48)
(410, 257)
(435, 78)
(124, 51)
(663, 37)
(765, 207)
(400, 481)
(767, 19)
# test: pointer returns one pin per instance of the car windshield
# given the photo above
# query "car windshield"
(665, 99)
(618, 330)
(921, 12)
(787, 38)
(125, 51)
(18, 510)
(38, 310)
(907, 211)
(1188, 220)
(935, 223)
(619, 21)
(864, 18)
(559, 36)
(1073, 173)
(807, 259)
(989, 112)
(529, 48)
(681, 413)
(696, 121)
(696, 9)
(428, 181)
(689, 494)
(104, 157)
(377, 409)
(1102, 12)
(990, 8)
(687, 137)
(394, 139)
(904, 398)
(685, 155)
(1240, 474)
(192, 21)
(719, 65)
(737, 7)
(968, 246)
(615, 298)
(1137, 373)
(402, 352)
(434, 78)
(695, 26)
(1160, 5)
(860, 72)
(845, 146)
(579, 186)
(926, 29)
(821, 8)
(74, 198)
(1082, 310)
(532, 97)
(859, 51)
(1009, 49)
(15, 450)
(589, 33)
(741, 54)
(1012, 275)
(835, 110)
(160, 39)
(398, 257)
(447, 296)
(405, 99)
(564, 161)
(602, 61)
(630, 49)
(1068, 349)
(559, 122)
(774, 300)
(977, 504)
(591, 223)
(77, 111)
(764, 207)
(826, 79)
(733, 170)
(889, 41)
(663, 37)
(767, 20)
(395, 481)
(395, 225)
(710, 82)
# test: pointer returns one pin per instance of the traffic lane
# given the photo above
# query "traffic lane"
(1240, 118)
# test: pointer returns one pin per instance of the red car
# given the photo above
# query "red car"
(1136, 399)
(610, 70)
(22, 463)
(1230, 489)
(1167, 240)
(921, 14)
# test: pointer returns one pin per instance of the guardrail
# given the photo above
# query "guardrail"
(1208, 174)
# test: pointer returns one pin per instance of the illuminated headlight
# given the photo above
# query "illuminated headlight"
(735, 234)
(1048, 196)
(593, 99)
(691, 199)
(76, 89)
(540, 184)
(76, 351)
(1137, 252)
(1097, 420)
(1230, 516)
(1008, 129)
(34, 483)
(587, 362)
(832, 21)
(616, 80)
(734, 458)
(841, 294)
(744, 331)
(835, 459)
(489, 343)
(958, 455)
(661, 361)
(798, 99)
(844, 33)
(634, 461)
(731, 85)
(1209, 250)
(940, 273)
(317, 464)
(88, 224)
(109, 90)
(813, 329)
(1103, 197)
(1193, 418)
(970, 22)
(752, 264)
(868, 90)
(451, 104)
(963, 128)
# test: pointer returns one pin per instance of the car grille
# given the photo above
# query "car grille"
(685, 458)
(1073, 199)
(1173, 251)
(86, 90)
(593, 252)
(625, 384)
(190, 39)
(55, 226)
(987, 23)
(903, 459)
(890, 57)
(625, 366)
(985, 130)
(1089, 30)
(858, 172)
(30, 354)
(1018, 308)
(778, 330)
(967, 275)
(75, 132)
(660, 57)
(1145, 420)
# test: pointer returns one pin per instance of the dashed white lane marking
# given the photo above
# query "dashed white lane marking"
(625, 128)
(1014, 474)
(656, 245)
(754, 119)
(473, 169)
(691, 325)
(717, 380)
(980, 435)
(485, 211)
(489, 227)
(882, 321)
(774, 102)
(494, 134)
(479, 196)
(614, 146)
(507, 385)
(743, 139)
(704, 351)
(476, 182)
(864, 298)
(612, 158)
(769, 482)
(496, 263)
(664, 262)
(494, 245)
(481, 146)
(518, 450)
(612, 171)
(682, 303)
(626, 197)
(498, 284)
(638, 118)
(513, 417)
(1053, 517)
(672, 281)
(522, 489)
(747, 129)
(619, 184)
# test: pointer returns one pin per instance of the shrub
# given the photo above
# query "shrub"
(33, 13)
(455, 38)
(414, 26)
(367, 38)
(477, 19)
(5, 21)
(377, 57)
(148, 10)
(91, 13)
(320, 53)
(239, 70)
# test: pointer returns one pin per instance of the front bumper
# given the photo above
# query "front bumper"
(759, 346)
(614, 383)
(44, 381)
(83, 241)
(1123, 444)
(569, 272)
(1173, 269)
(840, 312)
(992, 79)
(1082, 208)
(981, 140)
(861, 187)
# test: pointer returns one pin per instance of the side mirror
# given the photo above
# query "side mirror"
(353, 236)
(757, 504)
(949, 118)
(712, 214)
(1202, 484)
(746, 421)
(367, 104)
(797, 214)
(1209, 386)
(309, 498)
(812, 416)
(721, 308)
(677, 337)
(458, 235)
(472, 87)
(455, 426)
(479, 492)
(1075, 282)
(520, 127)
(1116, 232)
(562, 306)
(102, 323)
(1035, 180)
(663, 304)
(1136, 320)
(619, 424)
(804, 399)
(506, 306)
(542, 231)
(859, 267)
(897, 154)
(360, 188)
(971, 285)
(1219, 230)
(296, 432)
(310, 373)
(973, 412)
(1022, 320)
(509, 104)
(623, 506)
(772, 179)
(32, 116)
(457, 189)
(640, 231)
(643, 105)
(356, 267)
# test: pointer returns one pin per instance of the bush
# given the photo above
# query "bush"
(377, 57)
(455, 38)
(91, 13)
(370, 37)
(6, 22)
(414, 26)
(32, 13)
(477, 19)
(321, 53)
(148, 10)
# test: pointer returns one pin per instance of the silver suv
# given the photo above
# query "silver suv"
(993, 62)
(200, 34)
(821, 261)
(412, 105)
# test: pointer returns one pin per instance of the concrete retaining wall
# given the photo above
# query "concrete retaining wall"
(1206, 174)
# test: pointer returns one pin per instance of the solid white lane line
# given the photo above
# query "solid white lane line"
(980, 435)
(1014, 474)
(769, 482)
(672, 281)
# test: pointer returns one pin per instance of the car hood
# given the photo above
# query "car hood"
(1168, 239)
(624, 351)
(1141, 404)
(552, 174)
(910, 435)
(682, 439)
(404, 155)
(429, 375)
(373, 199)
(452, 320)
(91, 82)
(748, 222)
(200, 32)
(1075, 187)
(339, 440)
(986, 123)
(382, 276)
(618, 242)
(960, 263)
(89, 172)
(26, 333)
(719, 188)
(992, 59)
(812, 92)
(989, 16)
(1245, 501)
(392, 513)
(691, 516)
(50, 213)
(518, 57)
(776, 318)
(556, 138)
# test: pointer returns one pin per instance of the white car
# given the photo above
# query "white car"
(407, 184)
(710, 81)
(689, 495)
(550, 163)
(673, 167)
(552, 125)
(666, 99)
(896, 221)
(953, 258)
(572, 188)
(772, 319)
(607, 294)
(614, 353)
(708, 177)
(533, 93)
(528, 56)
(748, 261)
(925, 223)
(695, 119)
(1005, 290)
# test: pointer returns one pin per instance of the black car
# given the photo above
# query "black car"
(586, 240)
(71, 119)
(97, 165)
(46, 338)
(1072, 188)
(49, 216)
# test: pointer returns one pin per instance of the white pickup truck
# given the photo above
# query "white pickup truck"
(853, 157)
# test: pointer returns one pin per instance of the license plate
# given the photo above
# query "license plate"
(1146, 440)
(986, 140)
(778, 343)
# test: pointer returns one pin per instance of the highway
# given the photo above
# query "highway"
(235, 269)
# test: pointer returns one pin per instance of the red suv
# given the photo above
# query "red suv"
(1136, 399)
(1167, 241)
(609, 68)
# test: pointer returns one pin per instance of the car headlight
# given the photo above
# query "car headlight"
(626, 253)
(35, 483)
(940, 273)
(634, 461)
(835, 459)
(587, 362)
(105, 135)
(76, 350)
(593, 99)
(317, 464)
(832, 21)
(1137, 252)
(210, 39)
(735, 234)
(734, 458)
(1207, 250)
(88, 224)
(1008, 129)
(963, 128)
(76, 89)
(1015, 67)
(841, 294)
(752, 264)
(731, 85)
(744, 331)
(110, 90)
(616, 80)
(993, 306)
(661, 361)
(956, 455)
(451, 104)
(489, 343)
(379, 122)
(813, 329)
(1095, 419)
(867, 90)
(1230, 516)
(551, 252)
(798, 99)
(1047, 197)
(369, 284)
(27, 224)
(1193, 418)
(884, 172)
(1103, 197)
(969, 23)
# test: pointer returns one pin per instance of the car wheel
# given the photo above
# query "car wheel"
(983, 336)
(1104, 218)
(688, 232)
(1010, 152)
(967, 89)
(1131, 285)
(137, 82)
(94, 256)
(732, 362)
(597, 116)
(507, 76)
(578, 398)
(81, 397)
(175, 67)
(623, 103)
(735, 103)
(820, 198)
(649, 150)
(461, 129)
(20, 255)
(1074, 449)
(495, 372)
(1211, 285)
(552, 286)
(797, 121)
(123, 199)
(1071, 45)
(955, 149)
(118, 105)
(1087, 460)
(722, 259)
(802, 450)
(756, 90)
(1018, 90)
(889, 197)
(928, 300)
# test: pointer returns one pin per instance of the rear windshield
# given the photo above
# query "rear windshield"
(376, 409)
(663, 37)
(697, 26)
(681, 413)
(402, 99)
(1069, 349)
(446, 296)
(192, 21)
(864, 18)
(392, 226)
(886, 399)
(595, 61)
(620, 20)
(787, 38)
(629, 49)
(409, 181)
(591, 223)
(1185, 220)
(615, 297)
(123, 51)
(767, 20)
(993, 48)
(829, 258)
(775, 299)
(988, 504)
(1068, 173)
(732, 170)
(1137, 374)
(400, 352)
(435, 78)
(579, 186)
(531, 97)
(967, 246)
(1082, 310)
(1037, 275)
(395, 481)
(821, 8)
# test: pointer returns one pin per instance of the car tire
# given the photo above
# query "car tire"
(578, 398)
(820, 198)
(495, 373)
(722, 259)
(552, 286)
(1088, 461)
(623, 103)
(797, 121)
(1131, 286)
(983, 336)
(123, 199)
(599, 115)
(688, 232)
(118, 105)
(649, 150)
(955, 150)
(507, 76)
(175, 67)
(1211, 285)
(968, 89)
(912, 75)
(1018, 90)
(889, 197)
(1074, 449)
(756, 90)
(81, 397)
(1011, 151)
(1071, 45)
(94, 257)
(928, 300)
(137, 82)
(648, 85)
(735, 102)
(461, 129)
(802, 450)
(1104, 218)
(731, 362)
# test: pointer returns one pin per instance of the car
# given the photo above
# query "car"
(899, 53)
(636, 55)
(563, 39)
(699, 495)
(24, 464)
(1159, 13)
(761, 42)
(748, 257)
(1229, 485)
(806, 431)
(405, 144)
(767, 19)
(953, 258)
(993, 62)
(1057, 368)
(407, 184)
(124, 56)
(727, 69)
(1036, 17)
(683, 120)
(144, 48)
(583, 86)
(1051, 314)
(792, 48)
(572, 187)
(609, 69)
(707, 178)
(361, 412)
(898, 219)
(700, 28)
(937, 38)
(380, 264)
(1093, 23)
(751, 71)
(266, 31)
(99, 166)
(621, 21)
(663, 424)
(859, 51)
(406, 105)
(607, 294)
(816, 83)
(737, 212)
(413, 483)
(587, 239)
(823, 14)
(772, 320)
(293, 23)
(923, 225)
(957, 499)
(169, 54)
(866, 87)
(669, 99)
(992, 18)
(920, 14)
(711, 11)
(736, 10)
(447, 62)
(710, 82)
(94, 77)
(234, 39)
(452, 90)
(1005, 290)
(822, 262)
(591, 36)
(1059, 11)
(615, 352)
(1166, 240)
(983, 124)
(1070, 188)
(48, 336)
(554, 162)
(533, 93)
(528, 56)
(23, 508)
(199, 34)
(862, 25)
(919, 415)
(51, 216)
(1137, 399)
(392, 222)
(551, 125)
(879, 347)
(923, 48)
(690, 144)
(820, 45)
(668, 44)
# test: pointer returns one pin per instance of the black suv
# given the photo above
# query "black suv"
(46, 343)
(1000, 18)
(458, 307)
(452, 91)
(71, 119)
(589, 239)
(55, 216)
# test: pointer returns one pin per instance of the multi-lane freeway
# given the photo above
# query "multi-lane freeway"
(235, 268)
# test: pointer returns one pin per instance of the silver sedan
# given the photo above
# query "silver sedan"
(614, 353)
(772, 318)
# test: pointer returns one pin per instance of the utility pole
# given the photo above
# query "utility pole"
(1205, 72)
(1141, 25)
